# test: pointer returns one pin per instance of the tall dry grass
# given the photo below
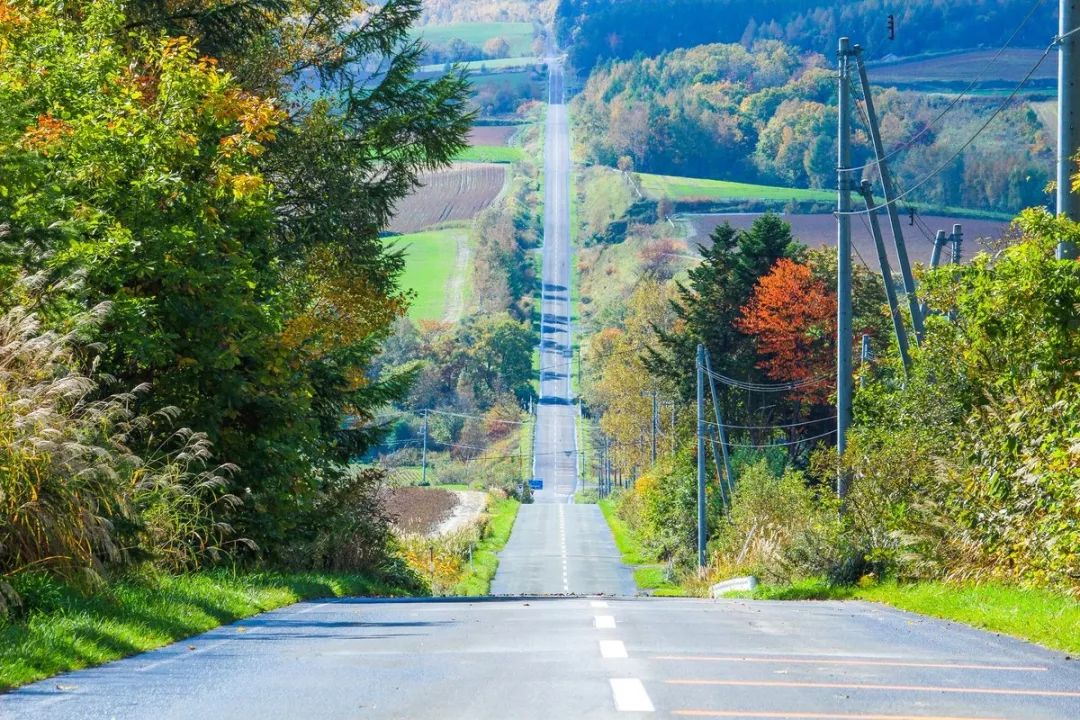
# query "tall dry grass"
(86, 481)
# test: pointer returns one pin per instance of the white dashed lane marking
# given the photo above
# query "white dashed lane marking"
(604, 622)
(630, 695)
(612, 649)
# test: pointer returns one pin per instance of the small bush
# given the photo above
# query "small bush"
(87, 482)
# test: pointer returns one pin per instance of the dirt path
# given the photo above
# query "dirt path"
(455, 291)
(469, 506)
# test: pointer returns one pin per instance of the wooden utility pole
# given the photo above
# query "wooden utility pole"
(655, 395)
(889, 191)
(423, 456)
(721, 434)
(843, 259)
(1068, 202)
(701, 530)
(886, 277)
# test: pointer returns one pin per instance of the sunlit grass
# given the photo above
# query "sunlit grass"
(66, 629)
(485, 561)
(1041, 616)
(688, 189)
(490, 154)
(430, 262)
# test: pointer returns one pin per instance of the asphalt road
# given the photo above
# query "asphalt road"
(556, 546)
(572, 658)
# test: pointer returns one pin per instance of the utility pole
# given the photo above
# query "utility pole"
(956, 239)
(843, 258)
(423, 456)
(701, 455)
(672, 426)
(889, 191)
(655, 395)
(1068, 203)
(721, 433)
(939, 244)
(886, 277)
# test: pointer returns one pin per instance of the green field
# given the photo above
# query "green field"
(518, 34)
(483, 66)
(490, 154)
(683, 189)
(430, 263)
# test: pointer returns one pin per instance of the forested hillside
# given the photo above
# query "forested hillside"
(621, 29)
(768, 115)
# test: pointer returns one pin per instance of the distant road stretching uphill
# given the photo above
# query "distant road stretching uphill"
(556, 546)
(556, 658)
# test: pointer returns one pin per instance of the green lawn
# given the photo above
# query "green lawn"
(485, 560)
(683, 189)
(1041, 616)
(518, 34)
(67, 630)
(490, 154)
(430, 263)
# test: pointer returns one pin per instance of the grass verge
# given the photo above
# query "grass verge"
(649, 575)
(1040, 616)
(68, 630)
(485, 561)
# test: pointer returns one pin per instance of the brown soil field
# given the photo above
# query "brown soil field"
(963, 67)
(458, 193)
(492, 134)
(820, 231)
(418, 509)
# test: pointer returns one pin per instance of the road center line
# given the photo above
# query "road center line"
(875, 686)
(612, 649)
(630, 695)
(604, 622)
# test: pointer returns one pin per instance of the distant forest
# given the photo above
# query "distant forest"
(769, 115)
(620, 29)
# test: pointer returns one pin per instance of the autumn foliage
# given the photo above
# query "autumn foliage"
(792, 317)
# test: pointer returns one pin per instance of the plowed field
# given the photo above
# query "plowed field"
(820, 231)
(458, 193)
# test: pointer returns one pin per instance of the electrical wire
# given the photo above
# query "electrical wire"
(937, 171)
(831, 418)
(766, 387)
(963, 93)
(778, 444)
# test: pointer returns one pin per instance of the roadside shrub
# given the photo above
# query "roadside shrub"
(76, 495)
(778, 527)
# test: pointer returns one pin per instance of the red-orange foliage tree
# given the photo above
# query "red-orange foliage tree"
(792, 317)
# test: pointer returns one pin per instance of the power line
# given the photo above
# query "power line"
(831, 418)
(963, 93)
(778, 444)
(768, 387)
(930, 176)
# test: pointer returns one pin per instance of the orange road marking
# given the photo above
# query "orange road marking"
(873, 686)
(816, 716)
(883, 663)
